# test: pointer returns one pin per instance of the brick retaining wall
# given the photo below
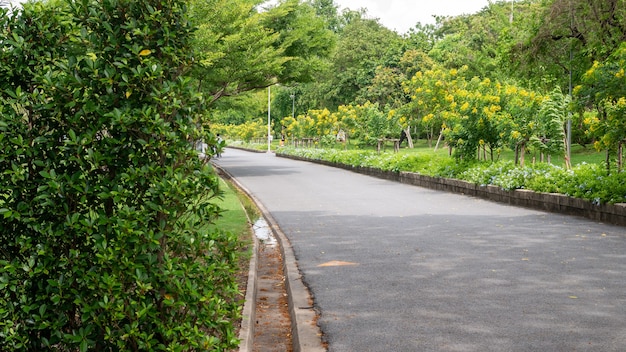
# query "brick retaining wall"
(551, 202)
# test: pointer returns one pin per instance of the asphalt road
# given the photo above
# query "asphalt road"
(394, 267)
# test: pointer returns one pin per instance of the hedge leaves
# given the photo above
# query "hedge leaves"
(102, 198)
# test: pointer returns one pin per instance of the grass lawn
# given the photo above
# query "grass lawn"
(237, 208)
(579, 155)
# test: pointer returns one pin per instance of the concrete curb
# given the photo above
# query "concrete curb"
(551, 202)
(306, 335)
(248, 315)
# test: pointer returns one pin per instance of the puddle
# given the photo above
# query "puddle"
(263, 233)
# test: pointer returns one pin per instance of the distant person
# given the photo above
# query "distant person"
(218, 148)
(341, 136)
(403, 137)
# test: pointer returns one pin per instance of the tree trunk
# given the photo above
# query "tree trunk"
(608, 162)
(620, 147)
(409, 139)
(430, 138)
(568, 163)
(522, 155)
(439, 139)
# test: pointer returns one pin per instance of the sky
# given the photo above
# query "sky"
(400, 15)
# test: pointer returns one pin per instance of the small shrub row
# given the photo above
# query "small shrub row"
(586, 181)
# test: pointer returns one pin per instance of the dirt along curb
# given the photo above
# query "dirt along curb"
(306, 334)
(248, 314)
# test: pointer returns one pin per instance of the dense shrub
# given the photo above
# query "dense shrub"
(102, 197)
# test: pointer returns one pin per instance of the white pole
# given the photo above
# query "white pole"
(269, 141)
(568, 147)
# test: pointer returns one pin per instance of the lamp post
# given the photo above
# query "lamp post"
(269, 135)
(568, 136)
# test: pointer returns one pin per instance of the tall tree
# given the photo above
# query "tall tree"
(567, 36)
(363, 45)
(235, 51)
(303, 38)
(241, 49)
(482, 40)
(328, 11)
(604, 88)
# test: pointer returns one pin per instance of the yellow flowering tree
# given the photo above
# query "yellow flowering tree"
(252, 129)
(245, 131)
(432, 96)
(325, 122)
(522, 107)
(346, 117)
(604, 87)
(477, 125)
(303, 126)
(372, 122)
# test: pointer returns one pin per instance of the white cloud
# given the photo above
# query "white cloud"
(401, 15)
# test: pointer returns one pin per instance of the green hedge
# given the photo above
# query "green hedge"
(102, 198)
(586, 181)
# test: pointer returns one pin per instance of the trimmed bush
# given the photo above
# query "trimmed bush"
(586, 181)
(102, 197)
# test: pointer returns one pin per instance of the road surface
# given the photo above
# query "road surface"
(394, 267)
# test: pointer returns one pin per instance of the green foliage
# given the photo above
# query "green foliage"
(479, 123)
(328, 11)
(550, 136)
(508, 176)
(586, 181)
(603, 86)
(365, 122)
(233, 48)
(590, 181)
(102, 198)
(239, 48)
(303, 37)
(246, 132)
(362, 46)
(569, 35)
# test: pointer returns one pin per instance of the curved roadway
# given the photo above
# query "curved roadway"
(394, 267)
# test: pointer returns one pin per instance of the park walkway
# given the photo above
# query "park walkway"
(394, 267)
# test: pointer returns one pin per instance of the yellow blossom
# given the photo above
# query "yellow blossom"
(592, 70)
